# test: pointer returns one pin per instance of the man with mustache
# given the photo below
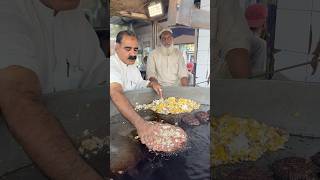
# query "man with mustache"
(46, 46)
(124, 76)
(166, 63)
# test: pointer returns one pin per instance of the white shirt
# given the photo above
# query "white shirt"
(63, 50)
(128, 76)
(230, 31)
(167, 68)
(258, 54)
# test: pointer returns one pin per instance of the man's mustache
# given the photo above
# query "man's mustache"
(132, 58)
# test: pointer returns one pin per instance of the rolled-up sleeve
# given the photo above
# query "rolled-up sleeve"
(16, 44)
(151, 65)
(115, 75)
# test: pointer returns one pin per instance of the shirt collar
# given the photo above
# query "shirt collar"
(47, 12)
(121, 62)
(43, 10)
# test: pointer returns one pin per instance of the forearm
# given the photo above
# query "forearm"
(44, 139)
(238, 62)
(125, 108)
(184, 81)
(37, 131)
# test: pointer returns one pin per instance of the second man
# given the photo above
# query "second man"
(166, 64)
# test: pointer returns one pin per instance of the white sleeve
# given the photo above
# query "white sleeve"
(151, 65)
(258, 54)
(143, 84)
(93, 56)
(16, 44)
(233, 31)
(115, 75)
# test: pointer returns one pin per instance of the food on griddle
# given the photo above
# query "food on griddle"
(171, 105)
(168, 138)
(293, 168)
(90, 144)
(316, 159)
(202, 116)
(189, 119)
(249, 173)
(235, 139)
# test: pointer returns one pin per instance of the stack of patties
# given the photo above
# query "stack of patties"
(316, 160)
(190, 120)
(250, 173)
(294, 168)
(196, 119)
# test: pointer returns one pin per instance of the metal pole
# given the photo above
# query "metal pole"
(154, 34)
(271, 29)
(281, 69)
(196, 34)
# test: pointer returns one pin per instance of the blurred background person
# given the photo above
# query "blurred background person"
(256, 16)
(231, 40)
(143, 67)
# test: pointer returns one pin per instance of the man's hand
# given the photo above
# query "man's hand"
(156, 86)
(238, 62)
(146, 133)
(184, 81)
(151, 135)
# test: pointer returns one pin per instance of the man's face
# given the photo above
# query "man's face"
(61, 5)
(127, 50)
(166, 39)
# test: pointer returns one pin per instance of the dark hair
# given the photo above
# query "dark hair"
(123, 33)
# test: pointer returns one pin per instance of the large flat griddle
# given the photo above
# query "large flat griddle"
(293, 106)
(121, 127)
(145, 96)
(77, 110)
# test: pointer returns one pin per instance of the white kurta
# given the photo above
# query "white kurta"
(128, 76)
(167, 68)
(63, 50)
(258, 54)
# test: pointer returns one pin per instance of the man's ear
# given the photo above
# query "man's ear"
(117, 46)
